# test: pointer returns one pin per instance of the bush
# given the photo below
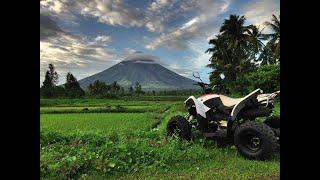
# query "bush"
(266, 77)
(52, 92)
(71, 156)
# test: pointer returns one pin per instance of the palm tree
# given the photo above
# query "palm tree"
(274, 38)
(233, 51)
(255, 37)
(220, 60)
(234, 47)
(234, 29)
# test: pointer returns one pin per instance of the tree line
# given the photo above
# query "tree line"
(71, 88)
(49, 88)
(98, 89)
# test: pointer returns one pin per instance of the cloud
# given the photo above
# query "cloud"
(190, 23)
(197, 26)
(199, 58)
(69, 52)
(160, 13)
(159, 16)
(158, 4)
(115, 13)
(204, 22)
(155, 25)
(132, 54)
(179, 69)
(176, 39)
(258, 12)
(119, 13)
(58, 10)
(127, 52)
(103, 38)
(48, 27)
(53, 5)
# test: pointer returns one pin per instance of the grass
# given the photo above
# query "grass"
(95, 122)
(133, 145)
(106, 109)
(102, 102)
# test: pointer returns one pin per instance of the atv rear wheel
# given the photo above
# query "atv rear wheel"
(274, 123)
(255, 140)
(179, 127)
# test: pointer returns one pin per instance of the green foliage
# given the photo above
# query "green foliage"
(102, 90)
(72, 87)
(266, 77)
(48, 89)
(235, 49)
(131, 91)
(271, 52)
(138, 89)
(51, 77)
(115, 88)
(97, 88)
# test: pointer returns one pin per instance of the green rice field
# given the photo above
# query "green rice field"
(119, 139)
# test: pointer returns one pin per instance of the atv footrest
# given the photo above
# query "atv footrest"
(221, 133)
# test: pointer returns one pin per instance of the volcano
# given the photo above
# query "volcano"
(150, 74)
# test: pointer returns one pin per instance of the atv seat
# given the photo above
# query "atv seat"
(228, 101)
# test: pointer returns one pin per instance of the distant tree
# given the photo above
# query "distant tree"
(59, 91)
(51, 77)
(121, 91)
(114, 88)
(97, 88)
(72, 87)
(164, 92)
(47, 80)
(48, 86)
(153, 93)
(131, 90)
(138, 89)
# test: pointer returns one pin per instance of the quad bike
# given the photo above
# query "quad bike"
(231, 121)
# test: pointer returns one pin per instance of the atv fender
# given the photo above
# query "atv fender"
(200, 108)
(243, 103)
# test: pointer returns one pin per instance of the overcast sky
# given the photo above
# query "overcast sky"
(85, 37)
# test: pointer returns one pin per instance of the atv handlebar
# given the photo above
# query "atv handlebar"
(202, 84)
(207, 88)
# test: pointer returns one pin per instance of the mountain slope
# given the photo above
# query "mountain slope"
(151, 76)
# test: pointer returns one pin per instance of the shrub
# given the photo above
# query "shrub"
(266, 77)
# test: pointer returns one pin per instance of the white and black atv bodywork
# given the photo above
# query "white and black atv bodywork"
(230, 120)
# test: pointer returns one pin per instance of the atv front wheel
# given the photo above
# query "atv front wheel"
(179, 127)
(255, 140)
